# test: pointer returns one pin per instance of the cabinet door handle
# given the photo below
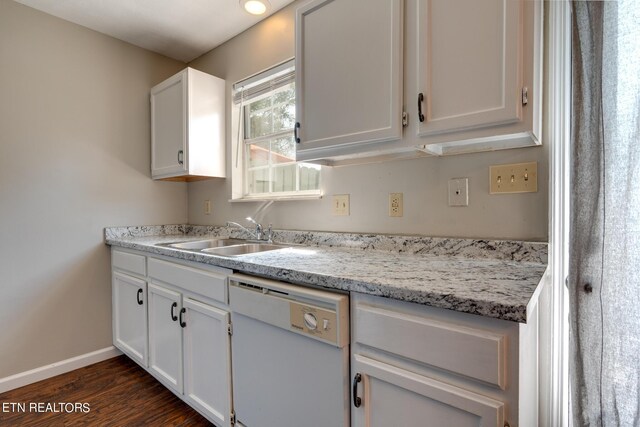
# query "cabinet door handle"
(420, 101)
(180, 157)
(182, 322)
(356, 400)
(138, 295)
(173, 307)
(296, 132)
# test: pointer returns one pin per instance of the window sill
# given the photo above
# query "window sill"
(277, 198)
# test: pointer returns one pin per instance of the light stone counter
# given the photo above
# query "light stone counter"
(489, 278)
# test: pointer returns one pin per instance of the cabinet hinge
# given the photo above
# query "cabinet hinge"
(525, 95)
(405, 119)
(230, 329)
(232, 418)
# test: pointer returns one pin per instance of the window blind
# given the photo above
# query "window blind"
(261, 83)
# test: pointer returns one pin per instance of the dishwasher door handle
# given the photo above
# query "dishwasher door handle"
(357, 401)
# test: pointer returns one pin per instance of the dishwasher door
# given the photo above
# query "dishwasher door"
(290, 355)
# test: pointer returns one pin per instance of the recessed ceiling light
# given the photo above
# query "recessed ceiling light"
(256, 7)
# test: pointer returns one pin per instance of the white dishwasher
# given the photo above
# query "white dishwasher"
(290, 354)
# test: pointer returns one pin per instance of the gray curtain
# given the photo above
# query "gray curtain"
(604, 278)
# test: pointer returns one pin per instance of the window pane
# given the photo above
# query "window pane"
(284, 116)
(258, 154)
(285, 95)
(260, 104)
(260, 124)
(284, 178)
(258, 181)
(309, 177)
(283, 150)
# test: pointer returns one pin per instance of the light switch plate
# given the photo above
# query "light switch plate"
(340, 205)
(514, 178)
(459, 192)
(395, 204)
(207, 207)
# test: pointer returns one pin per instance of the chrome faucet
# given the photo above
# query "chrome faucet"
(259, 233)
(258, 227)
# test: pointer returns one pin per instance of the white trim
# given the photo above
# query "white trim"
(559, 167)
(260, 75)
(278, 198)
(57, 368)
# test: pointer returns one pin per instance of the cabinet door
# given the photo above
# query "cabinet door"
(130, 316)
(469, 64)
(169, 126)
(348, 74)
(394, 397)
(207, 361)
(165, 336)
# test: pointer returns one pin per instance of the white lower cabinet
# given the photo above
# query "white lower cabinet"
(207, 360)
(189, 351)
(165, 336)
(413, 365)
(177, 315)
(394, 396)
(130, 316)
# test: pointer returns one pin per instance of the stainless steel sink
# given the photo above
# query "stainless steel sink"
(244, 249)
(198, 245)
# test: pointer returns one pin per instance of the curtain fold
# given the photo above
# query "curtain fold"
(604, 274)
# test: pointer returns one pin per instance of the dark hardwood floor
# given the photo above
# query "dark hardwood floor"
(118, 391)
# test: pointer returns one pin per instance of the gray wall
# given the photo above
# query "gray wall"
(423, 181)
(74, 158)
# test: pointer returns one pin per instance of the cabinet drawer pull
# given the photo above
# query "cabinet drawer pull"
(357, 401)
(180, 157)
(296, 132)
(138, 295)
(420, 101)
(173, 307)
(182, 322)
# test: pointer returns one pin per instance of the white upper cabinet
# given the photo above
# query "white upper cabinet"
(475, 73)
(187, 127)
(348, 75)
(467, 73)
(472, 80)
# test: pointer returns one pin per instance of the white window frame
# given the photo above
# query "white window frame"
(239, 175)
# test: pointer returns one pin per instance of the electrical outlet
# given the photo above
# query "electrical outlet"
(459, 192)
(340, 204)
(207, 207)
(514, 178)
(395, 204)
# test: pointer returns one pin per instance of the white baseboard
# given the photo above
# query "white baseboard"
(48, 371)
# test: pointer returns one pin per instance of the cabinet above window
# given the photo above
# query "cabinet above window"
(406, 77)
(187, 127)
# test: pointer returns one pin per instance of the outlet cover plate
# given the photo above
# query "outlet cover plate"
(513, 178)
(396, 208)
(340, 205)
(459, 192)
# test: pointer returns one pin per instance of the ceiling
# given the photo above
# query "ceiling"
(179, 29)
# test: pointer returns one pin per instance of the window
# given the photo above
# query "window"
(266, 115)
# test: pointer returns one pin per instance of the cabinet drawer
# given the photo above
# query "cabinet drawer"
(205, 283)
(129, 262)
(476, 353)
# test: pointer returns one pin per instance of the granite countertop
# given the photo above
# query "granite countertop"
(495, 279)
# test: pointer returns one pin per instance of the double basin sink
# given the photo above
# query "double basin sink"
(226, 247)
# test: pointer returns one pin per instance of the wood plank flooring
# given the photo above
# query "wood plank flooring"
(118, 391)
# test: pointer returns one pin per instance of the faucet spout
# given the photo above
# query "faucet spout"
(251, 233)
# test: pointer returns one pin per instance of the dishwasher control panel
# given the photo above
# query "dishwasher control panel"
(314, 321)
